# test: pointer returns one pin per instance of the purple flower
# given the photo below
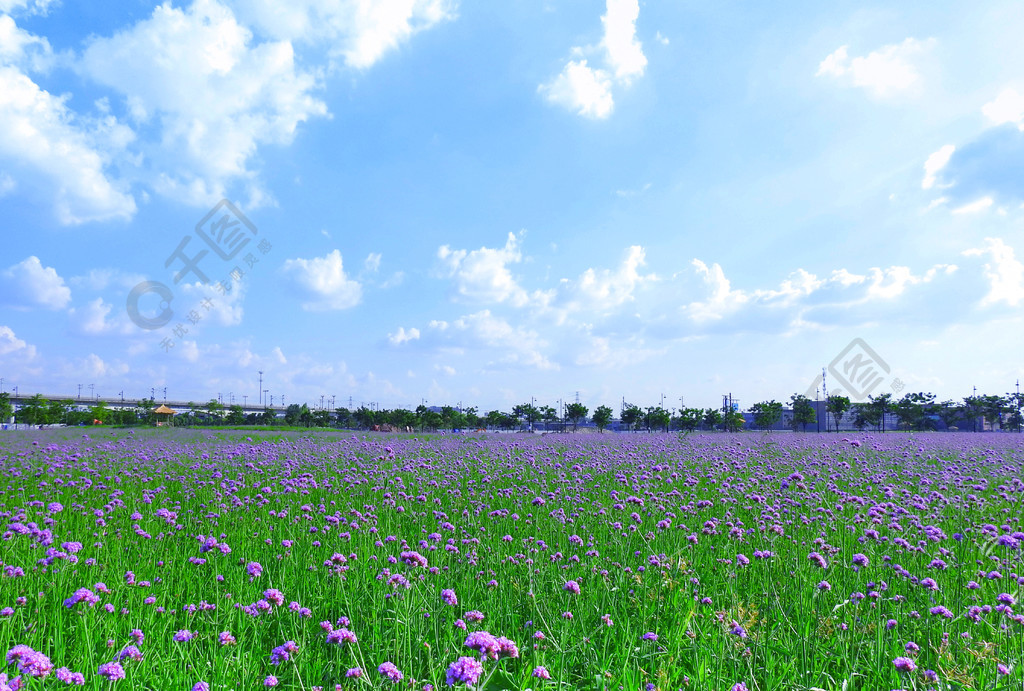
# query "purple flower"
(270, 681)
(342, 635)
(649, 636)
(541, 673)
(484, 643)
(70, 678)
(448, 597)
(201, 686)
(571, 587)
(254, 569)
(860, 559)
(111, 670)
(389, 670)
(465, 670)
(1006, 599)
(354, 673)
(904, 664)
(739, 687)
(183, 635)
(225, 638)
(742, 560)
(130, 652)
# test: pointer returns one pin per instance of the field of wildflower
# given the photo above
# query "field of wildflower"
(184, 560)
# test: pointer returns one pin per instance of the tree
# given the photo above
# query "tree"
(494, 418)
(57, 411)
(575, 412)
(34, 412)
(804, 412)
(992, 410)
(214, 408)
(837, 405)
(402, 418)
(1015, 404)
(291, 414)
(913, 410)
(473, 419)
(734, 421)
(322, 418)
(527, 412)
(344, 418)
(690, 419)
(236, 415)
(100, 412)
(712, 418)
(879, 407)
(766, 413)
(631, 415)
(602, 416)
(973, 406)
(949, 412)
(862, 416)
(657, 417)
(6, 409)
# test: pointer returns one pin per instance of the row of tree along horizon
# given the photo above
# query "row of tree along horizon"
(914, 411)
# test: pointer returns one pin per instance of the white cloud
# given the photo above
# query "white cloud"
(883, 72)
(7, 184)
(936, 162)
(51, 148)
(92, 319)
(587, 90)
(360, 32)
(581, 88)
(721, 299)
(23, 49)
(516, 345)
(663, 40)
(1005, 273)
(211, 305)
(1008, 106)
(402, 336)
(212, 94)
(29, 284)
(324, 282)
(625, 54)
(29, 6)
(445, 369)
(9, 343)
(975, 206)
(606, 289)
(483, 275)
(372, 262)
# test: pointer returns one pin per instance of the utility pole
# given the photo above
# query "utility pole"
(245, 401)
(532, 401)
(92, 391)
(263, 398)
(824, 394)
(261, 387)
(79, 392)
(122, 398)
(817, 408)
(165, 394)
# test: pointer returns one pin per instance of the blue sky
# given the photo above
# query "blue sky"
(488, 202)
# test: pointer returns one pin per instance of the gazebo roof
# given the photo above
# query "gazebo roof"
(164, 410)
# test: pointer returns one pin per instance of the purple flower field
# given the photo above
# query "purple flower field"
(174, 559)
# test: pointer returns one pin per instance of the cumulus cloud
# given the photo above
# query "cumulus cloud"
(625, 53)
(1008, 106)
(936, 162)
(12, 345)
(323, 282)
(514, 345)
(587, 89)
(64, 156)
(358, 32)
(30, 284)
(483, 275)
(884, 72)
(582, 89)
(1004, 272)
(211, 92)
(402, 336)
(989, 167)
